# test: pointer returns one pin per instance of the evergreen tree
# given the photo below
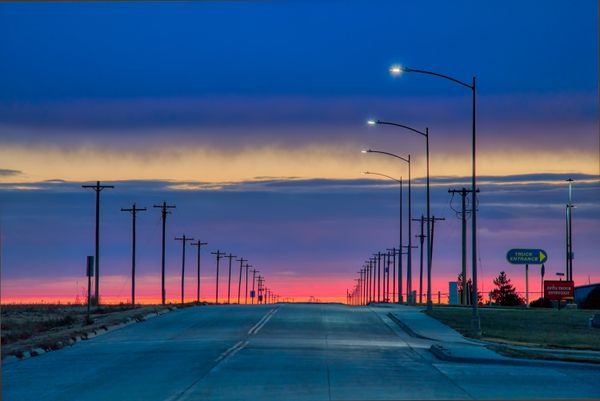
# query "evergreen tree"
(505, 294)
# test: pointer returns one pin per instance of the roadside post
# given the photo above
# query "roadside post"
(90, 274)
(542, 273)
(520, 256)
(527, 285)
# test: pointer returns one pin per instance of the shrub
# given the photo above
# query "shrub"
(541, 303)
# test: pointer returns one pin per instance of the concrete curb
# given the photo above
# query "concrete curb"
(407, 328)
(87, 336)
(443, 354)
(565, 355)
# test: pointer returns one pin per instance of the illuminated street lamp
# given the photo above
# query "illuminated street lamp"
(409, 255)
(400, 247)
(397, 70)
(426, 135)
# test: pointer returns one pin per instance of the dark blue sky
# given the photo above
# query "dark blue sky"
(123, 50)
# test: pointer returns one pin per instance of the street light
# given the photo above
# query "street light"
(426, 135)
(409, 255)
(396, 70)
(400, 257)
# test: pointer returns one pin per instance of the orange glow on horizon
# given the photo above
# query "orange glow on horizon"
(328, 289)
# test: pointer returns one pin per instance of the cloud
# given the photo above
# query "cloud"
(4, 172)
(198, 163)
(289, 110)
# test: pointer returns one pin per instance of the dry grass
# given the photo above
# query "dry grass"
(534, 327)
(46, 326)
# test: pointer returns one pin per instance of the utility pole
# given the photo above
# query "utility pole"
(164, 211)
(97, 188)
(219, 255)
(89, 274)
(360, 284)
(183, 240)
(385, 275)
(408, 250)
(400, 299)
(368, 281)
(134, 210)
(433, 220)
(569, 269)
(241, 260)
(422, 240)
(389, 257)
(253, 293)
(464, 192)
(246, 299)
(261, 281)
(198, 244)
(378, 276)
(365, 271)
(230, 256)
(393, 252)
(374, 281)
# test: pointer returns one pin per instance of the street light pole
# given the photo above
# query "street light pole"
(399, 181)
(396, 70)
(569, 233)
(425, 134)
(409, 254)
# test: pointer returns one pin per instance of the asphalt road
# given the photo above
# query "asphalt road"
(276, 352)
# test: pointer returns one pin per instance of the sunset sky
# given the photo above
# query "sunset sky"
(250, 117)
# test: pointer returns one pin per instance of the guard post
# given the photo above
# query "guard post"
(90, 274)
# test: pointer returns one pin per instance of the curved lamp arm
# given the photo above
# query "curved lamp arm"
(397, 69)
(383, 175)
(374, 122)
(386, 153)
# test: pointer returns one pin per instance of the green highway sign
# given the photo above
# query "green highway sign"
(526, 256)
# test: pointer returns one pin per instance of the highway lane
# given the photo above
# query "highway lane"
(275, 352)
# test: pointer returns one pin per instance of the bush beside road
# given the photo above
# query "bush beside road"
(528, 327)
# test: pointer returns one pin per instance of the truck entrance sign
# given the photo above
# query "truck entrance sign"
(557, 290)
(526, 256)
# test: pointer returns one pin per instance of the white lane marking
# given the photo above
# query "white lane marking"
(262, 322)
(238, 346)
